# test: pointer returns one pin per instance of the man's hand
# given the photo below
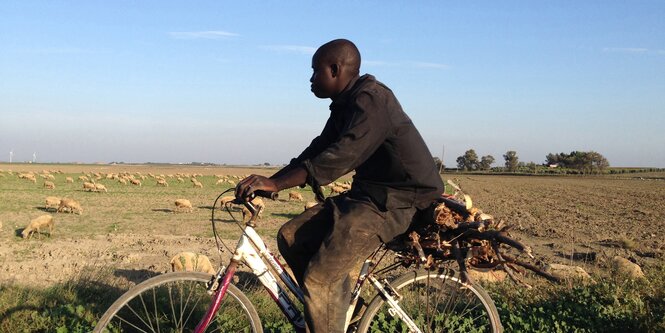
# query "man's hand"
(253, 183)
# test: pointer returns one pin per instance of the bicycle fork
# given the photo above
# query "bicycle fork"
(221, 288)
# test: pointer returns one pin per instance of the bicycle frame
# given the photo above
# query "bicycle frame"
(252, 251)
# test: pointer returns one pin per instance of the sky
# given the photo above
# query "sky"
(228, 81)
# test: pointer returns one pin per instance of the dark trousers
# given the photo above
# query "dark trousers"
(324, 244)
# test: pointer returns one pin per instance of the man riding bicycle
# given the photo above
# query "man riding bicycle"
(369, 133)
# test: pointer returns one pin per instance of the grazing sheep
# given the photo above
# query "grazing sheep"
(100, 187)
(71, 205)
(295, 196)
(38, 223)
(223, 201)
(88, 186)
(183, 205)
(310, 204)
(69, 180)
(162, 182)
(135, 182)
(190, 261)
(336, 189)
(258, 203)
(52, 202)
(198, 184)
(49, 185)
(84, 178)
(29, 177)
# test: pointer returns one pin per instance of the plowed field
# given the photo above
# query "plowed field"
(133, 231)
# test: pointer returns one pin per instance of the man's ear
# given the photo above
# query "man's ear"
(334, 70)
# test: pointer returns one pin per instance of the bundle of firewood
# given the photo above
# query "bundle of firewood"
(464, 233)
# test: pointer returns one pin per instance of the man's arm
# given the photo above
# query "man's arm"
(363, 133)
(296, 176)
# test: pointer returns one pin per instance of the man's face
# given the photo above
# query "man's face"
(323, 81)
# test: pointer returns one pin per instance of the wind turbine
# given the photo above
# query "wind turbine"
(11, 155)
(34, 157)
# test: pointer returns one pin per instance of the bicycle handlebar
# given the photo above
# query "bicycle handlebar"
(247, 202)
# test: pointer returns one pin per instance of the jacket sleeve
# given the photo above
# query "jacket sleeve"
(364, 131)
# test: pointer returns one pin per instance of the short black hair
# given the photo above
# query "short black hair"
(343, 51)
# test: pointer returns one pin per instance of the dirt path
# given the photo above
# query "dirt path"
(138, 256)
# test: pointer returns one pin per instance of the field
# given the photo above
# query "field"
(132, 231)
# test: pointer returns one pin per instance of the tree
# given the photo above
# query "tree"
(468, 161)
(585, 162)
(486, 162)
(439, 164)
(598, 162)
(512, 161)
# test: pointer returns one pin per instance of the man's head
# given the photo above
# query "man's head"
(334, 65)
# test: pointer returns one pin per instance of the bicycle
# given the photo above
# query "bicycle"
(426, 296)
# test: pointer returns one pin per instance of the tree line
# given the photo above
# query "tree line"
(579, 161)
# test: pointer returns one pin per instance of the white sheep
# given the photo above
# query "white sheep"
(71, 205)
(223, 201)
(162, 182)
(38, 223)
(197, 183)
(135, 181)
(183, 205)
(190, 261)
(310, 204)
(88, 186)
(52, 202)
(100, 187)
(69, 180)
(49, 184)
(295, 196)
(336, 189)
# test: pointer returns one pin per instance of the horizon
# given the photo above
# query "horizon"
(229, 82)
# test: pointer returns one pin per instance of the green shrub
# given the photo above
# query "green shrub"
(610, 305)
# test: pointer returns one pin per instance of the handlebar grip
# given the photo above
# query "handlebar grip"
(259, 193)
(266, 194)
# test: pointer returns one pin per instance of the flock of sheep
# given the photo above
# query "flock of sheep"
(90, 182)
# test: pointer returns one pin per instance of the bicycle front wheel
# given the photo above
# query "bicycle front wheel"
(175, 302)
(436, 302)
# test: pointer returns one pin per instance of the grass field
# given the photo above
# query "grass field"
(129, 233)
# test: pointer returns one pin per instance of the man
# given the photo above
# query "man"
(369, 133)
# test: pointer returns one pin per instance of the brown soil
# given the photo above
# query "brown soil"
(580, 220)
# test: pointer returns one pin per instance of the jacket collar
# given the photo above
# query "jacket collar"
(350, 89)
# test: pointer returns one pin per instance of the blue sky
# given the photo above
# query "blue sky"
(228, 81)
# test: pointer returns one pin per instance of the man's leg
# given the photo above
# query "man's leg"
(327, 283)
(300, 238)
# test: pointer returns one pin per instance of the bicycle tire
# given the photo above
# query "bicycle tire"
(175, 302)
(437, 302)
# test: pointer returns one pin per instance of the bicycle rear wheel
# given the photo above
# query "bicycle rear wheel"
(175, 302)
(436, 302)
